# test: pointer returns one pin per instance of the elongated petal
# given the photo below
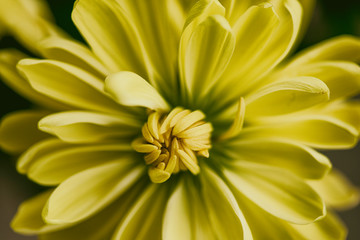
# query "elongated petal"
(342, 48)
(276, 191)
(28, 21)
(306, 129)
(130, 89)
(151, 205)
(68, 84)
(58, 165)
(330, 227)
(297, 158)
(185, 215)
(263, 225)
(227, 217)
(37, 151)
(28, 219)
(18, 130)
(86, 126)
(89, 191)
(205, 56)
(102, 224)
(286, 96)
(107, 28)
(263, 48)
(337, 190)
(74, 53)
(10, 76)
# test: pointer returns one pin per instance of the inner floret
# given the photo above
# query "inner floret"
(173, 141)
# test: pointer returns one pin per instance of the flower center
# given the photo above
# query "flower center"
(173, 141)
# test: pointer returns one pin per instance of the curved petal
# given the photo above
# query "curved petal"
(185, 215)
(227, 217)
(37, 151)
(28, 219)
(108, 29)
(205, 55)
(276, 191)
(72, 52)
(306, 129)
(330, 227)
(103, 224)
(89, 191)
(10, 76)
(28, 21)
(18, 130)
(337, 190)
(130, 89)
(67, 84)
(287, 96)
(264, 49)
(146, 212)
(86, 126)
(342, 48)
(297, 158)
(58, 165)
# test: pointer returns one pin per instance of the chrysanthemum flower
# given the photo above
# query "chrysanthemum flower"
(183, 121)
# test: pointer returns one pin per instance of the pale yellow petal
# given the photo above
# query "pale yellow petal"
(89, 191)
(205, 55)
(102, 224)
(337, 191)
(224, 212)
(18, 130)
(277, 191)
(10, 76)
(86, 126)
(297, 158)
(72, 52)
(286, 96)
(143, 219)
(185, 215)
(67, 84)
(130, 89)
(28, 219)
(315, 130)
(58, 165)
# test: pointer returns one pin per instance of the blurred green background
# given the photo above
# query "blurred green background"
(331, 18)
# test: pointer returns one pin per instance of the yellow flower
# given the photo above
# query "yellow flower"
(182, 121)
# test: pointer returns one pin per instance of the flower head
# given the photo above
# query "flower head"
(183, 121)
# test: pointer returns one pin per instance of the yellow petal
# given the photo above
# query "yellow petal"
(111, 35)
(86, 126)
(315, 130)
(185, 215)
(10, 76)
(18, 130)
(143, 219)
(223, 209)
(72, 52)
(341, 48)
(337, 190)
(286, 96)
(102, 224)
(28, 219)
(89, 191)
(278, 192)
(67, 84)
(297, 158)
(330, 227)
(59, 164)
(130, 89)
(29, 21)
(205, 55)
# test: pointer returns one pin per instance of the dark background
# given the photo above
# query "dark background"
(331, 18)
